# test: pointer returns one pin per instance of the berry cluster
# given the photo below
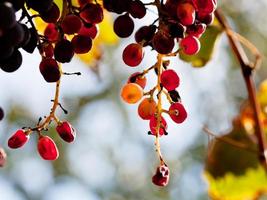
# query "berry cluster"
(67, 33)
(179, 21)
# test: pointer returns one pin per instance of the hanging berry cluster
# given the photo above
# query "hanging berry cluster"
(67, 33)
(179, 21)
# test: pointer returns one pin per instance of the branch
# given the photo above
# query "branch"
(247, 71)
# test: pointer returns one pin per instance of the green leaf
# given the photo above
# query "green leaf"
(234, 172)
(208, 42)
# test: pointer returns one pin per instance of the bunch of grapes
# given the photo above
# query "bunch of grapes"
(179, 21)
(67, 33)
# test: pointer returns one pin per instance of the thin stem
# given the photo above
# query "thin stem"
(159, 110)
(250, 84)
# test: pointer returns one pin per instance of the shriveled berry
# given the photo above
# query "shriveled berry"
(138, 78)
(66, 131)
(162, 176)
(147, 108)
(153, 124)
(131, 93)
(190, 45)
(133, 54)
(47, 148)
(145, 34)
(50, 70)
(18, 139)
(177, 112)
(169, 79)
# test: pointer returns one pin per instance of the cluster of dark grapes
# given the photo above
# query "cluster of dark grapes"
(13, 36)
(179, 21)
(66, 33)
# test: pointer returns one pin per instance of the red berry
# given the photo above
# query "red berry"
(133, 54)
(81, 44)
(190, 45)
(71, 24)
(153, 123)
(169, 79)
(137, 9)
(92, 13)
(47, 148)
(84, 2)
(163, 43)
(177, 112)
(162, 176)
(2, 157)
(196, 29)
(50, 70)
(66, 131)
(186, 13)
(205, 6)
(147, 108)
(51, 32)
(18, 139)
(48, 50)
(138, 78)
(91, 31)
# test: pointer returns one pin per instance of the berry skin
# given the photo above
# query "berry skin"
(18, 139)
(153, 126)
(131, 93)
(190, 45)
(147, 108)
(123, 26)
(137, 9)
(51, 15)
(71, 24)
(7, 15)
(91, 31)
(138, 78)
(133, 54)
(178, 113)
(92, 13)
(81, 44)
(64, 51)
(186, 13)
(162, 176)
(169, 79)
(196, 29)
(66, 131)
(47, 148)
(51, 32)
(205, 6)
(162, 43)
(50, 70)
(13, 63)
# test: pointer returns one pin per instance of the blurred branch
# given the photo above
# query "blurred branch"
(247, 71)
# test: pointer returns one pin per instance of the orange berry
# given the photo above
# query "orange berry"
(131, 93)
(147, 108)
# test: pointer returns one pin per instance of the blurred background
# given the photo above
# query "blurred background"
(113, 158)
